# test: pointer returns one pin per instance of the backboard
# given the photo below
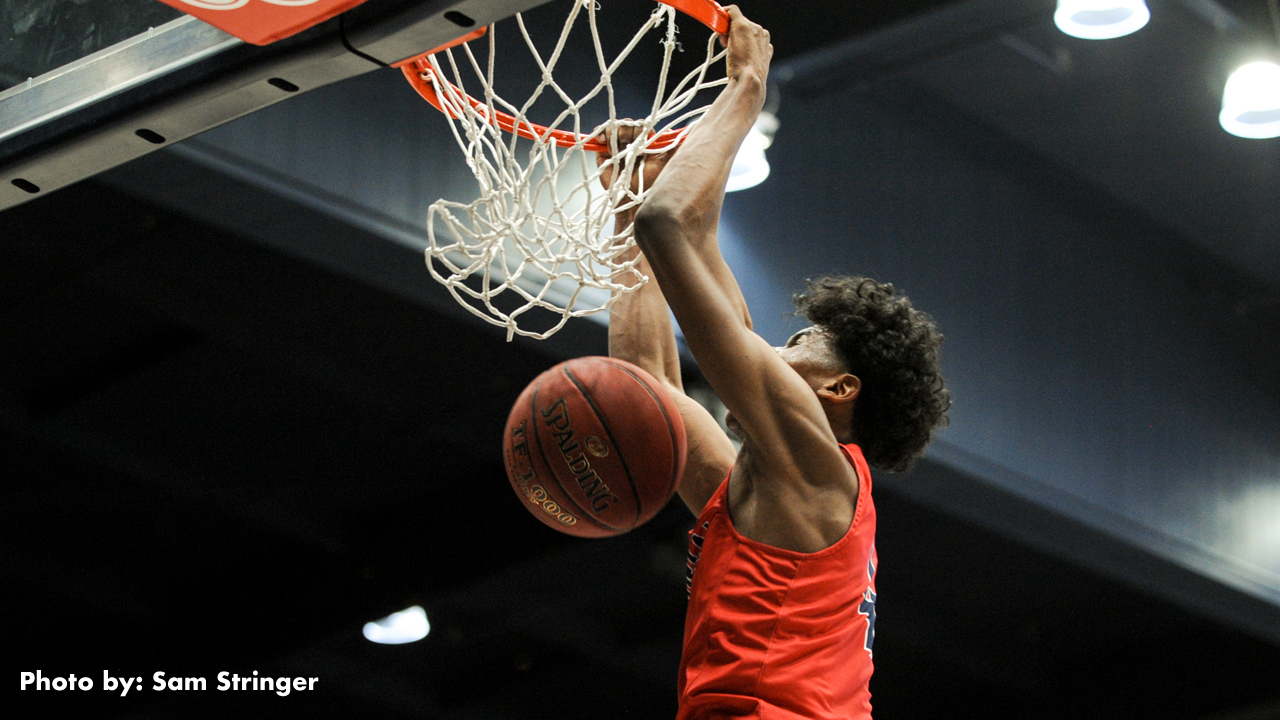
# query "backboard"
(110, 81)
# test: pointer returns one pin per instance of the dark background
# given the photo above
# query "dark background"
(224, 452)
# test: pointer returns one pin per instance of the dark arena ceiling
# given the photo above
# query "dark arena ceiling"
(238, 419)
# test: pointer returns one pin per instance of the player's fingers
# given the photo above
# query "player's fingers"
(734, 13)
(624, 134)
(602, 137)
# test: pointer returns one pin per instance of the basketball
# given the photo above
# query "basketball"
(594, 447)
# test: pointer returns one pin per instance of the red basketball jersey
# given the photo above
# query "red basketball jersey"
(775, 634)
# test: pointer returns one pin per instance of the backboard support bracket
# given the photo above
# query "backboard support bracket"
(182, 97)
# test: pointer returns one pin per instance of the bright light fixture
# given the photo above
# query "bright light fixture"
(1251, 101)
(750, 166)
(406, 626)
(1101, 19)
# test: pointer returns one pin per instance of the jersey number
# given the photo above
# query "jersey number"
(868, 607)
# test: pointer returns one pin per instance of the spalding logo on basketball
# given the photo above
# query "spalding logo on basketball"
(594, 447)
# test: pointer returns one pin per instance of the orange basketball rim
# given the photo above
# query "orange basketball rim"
(421, 76)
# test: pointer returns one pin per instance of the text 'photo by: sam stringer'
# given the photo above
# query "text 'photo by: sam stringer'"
(37, 681)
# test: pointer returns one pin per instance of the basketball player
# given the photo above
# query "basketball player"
(782, 558)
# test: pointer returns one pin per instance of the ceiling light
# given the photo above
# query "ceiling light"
(1251, 101)
(750, 166)
(398, 628)
(1101, 19)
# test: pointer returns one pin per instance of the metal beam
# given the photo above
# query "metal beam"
(179, 80)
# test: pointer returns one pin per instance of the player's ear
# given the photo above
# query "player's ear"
(842, 388)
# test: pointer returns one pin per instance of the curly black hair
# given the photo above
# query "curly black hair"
(893, 348)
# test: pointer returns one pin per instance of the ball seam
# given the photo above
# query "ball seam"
(671, 430)
(631, 481)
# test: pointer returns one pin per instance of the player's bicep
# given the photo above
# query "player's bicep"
(710, 457)
(771, 401)
(775, 406)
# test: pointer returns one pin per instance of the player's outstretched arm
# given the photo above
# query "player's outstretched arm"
(640, 332)
(796, 462)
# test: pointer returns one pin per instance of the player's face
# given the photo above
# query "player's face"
(809, 353)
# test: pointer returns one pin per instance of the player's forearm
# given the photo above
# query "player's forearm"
(682, 212)
(690, 191)
(640, 329)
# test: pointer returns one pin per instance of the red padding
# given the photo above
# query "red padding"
(263, 22)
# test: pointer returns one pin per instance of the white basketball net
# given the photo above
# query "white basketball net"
(541, 230)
